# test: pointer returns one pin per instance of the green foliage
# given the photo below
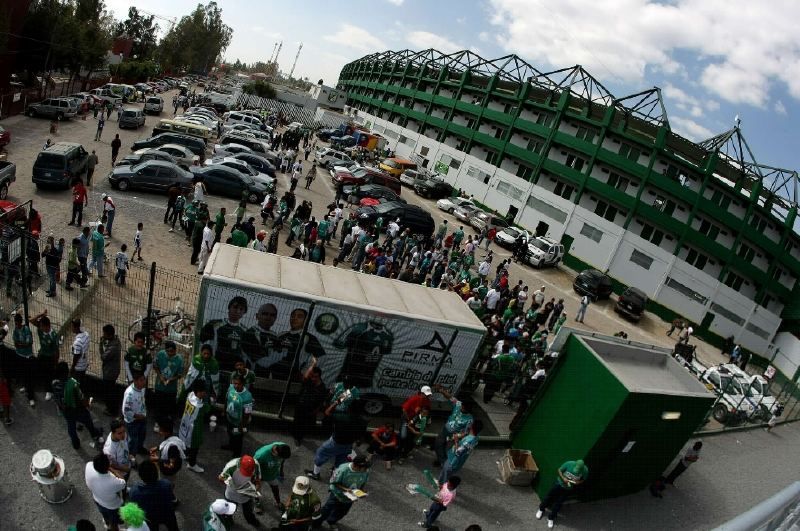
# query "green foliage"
(196, 41)
(142, 30)
(260, 89)
(135, 70)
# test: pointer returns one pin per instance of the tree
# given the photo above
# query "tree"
(195, 42)
(260, 89)
(142, 30)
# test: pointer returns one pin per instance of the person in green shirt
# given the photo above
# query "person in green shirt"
(240, 211)
(503, 366)
(169, 369)
(559, 323)
(378, 225)
(98, 251)
(74, 267)
(73, 405)
(238, 407)
(189, 217)
(271, 458)
(48, 351)
(248, 376)
(571, 475)
(23, 364)
(205, 368)
(303, 509)
(346, 479)
(323, 229)
(458, 236)
(238, 237)
(219, 516)
(137, 358)
(219, 224)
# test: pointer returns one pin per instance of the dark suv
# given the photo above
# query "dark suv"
(59, 164)
(194, 144)
(631, 303)
(593, 283)
(411, 216)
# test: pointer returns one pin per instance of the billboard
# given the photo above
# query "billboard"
(380, 352)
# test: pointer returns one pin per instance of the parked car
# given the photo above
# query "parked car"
(543, 251)
(154, 105)
(226, 150)
(137, 157)
(631, 303)
(411, 216)
(432, 188)
(59, 108)
(358, 175)
(355, 193)
(756, 388)
(508, 236)
(195, 145)
(8, 174)
(449, 204)
(59, 164)
(155, 175)
(409, 177)
(183, 155)
(235, 117)
(242, 167)
(465, 212)
(255, 145)
(330, 157)
(221, 180)
(258, 162)
(343, 142)
(5, 137)
(593, 283)
(484, 219)
(733, 406)
(345, 166)
(396, 166)
(131, 117)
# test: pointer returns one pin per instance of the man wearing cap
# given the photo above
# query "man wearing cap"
(219, 516)
(271, 458)
(570, 475)
(303, 508)
(109, 211)
(412, 406)
(242, 479)
(347, 478)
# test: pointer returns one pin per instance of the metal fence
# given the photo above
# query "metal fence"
(15, 101)
(290, 112)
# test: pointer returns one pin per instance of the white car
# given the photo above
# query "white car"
(733, 405)
(182, 154)
(223, 150)
(757, 388)
(246, 130)
(235, 117)
(508, 236)
(331, 158)
(465, 212)
(449, 204)
(154, 105)
(198, 119)
(543, 251)
(345, 166)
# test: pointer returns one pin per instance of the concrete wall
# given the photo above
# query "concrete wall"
(788, 359)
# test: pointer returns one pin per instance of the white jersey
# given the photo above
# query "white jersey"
(190, 413)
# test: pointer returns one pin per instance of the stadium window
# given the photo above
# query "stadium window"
(746, 252)
(734, 281)
(708, 229)
(651, 234)
(606, 211)
(591, 232)
(524, 172)
(564, 190)
(584, 133)
(696, 259)
(641, 259)
(629, 152)
(575, 162)
(615, 180)
(535, 145)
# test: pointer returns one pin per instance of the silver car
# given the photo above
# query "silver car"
(59, 108)
(465, 212)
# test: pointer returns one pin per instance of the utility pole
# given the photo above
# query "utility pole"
(280, 45)
(295, 60)
(274, 47)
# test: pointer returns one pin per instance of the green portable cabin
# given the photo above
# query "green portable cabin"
(626, 409)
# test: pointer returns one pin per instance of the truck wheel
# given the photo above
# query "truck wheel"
(4, 191)
(374, 404)
(720, 413)
(124, 185)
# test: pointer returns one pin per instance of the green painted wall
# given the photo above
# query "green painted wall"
(578, 401)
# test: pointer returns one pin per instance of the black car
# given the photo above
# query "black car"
(154, 175)
(375, 191)
(433, 189)
(631, 303)
(137, 158)
(194, 144)
(411, 216)
(222, 180)
(593, 283)
(326, 134)
(258, 162)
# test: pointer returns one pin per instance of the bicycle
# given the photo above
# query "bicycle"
(165, 326)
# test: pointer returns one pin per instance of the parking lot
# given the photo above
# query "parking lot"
(170, 250)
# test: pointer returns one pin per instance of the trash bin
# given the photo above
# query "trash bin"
(517, 468)
(49, 474)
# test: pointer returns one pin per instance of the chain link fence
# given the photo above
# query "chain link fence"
(290, 112)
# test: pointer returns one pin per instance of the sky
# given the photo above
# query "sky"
(713, 59)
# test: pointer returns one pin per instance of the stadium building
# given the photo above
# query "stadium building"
(705, 230)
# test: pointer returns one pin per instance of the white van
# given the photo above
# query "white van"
(154, 105)
(239, 118)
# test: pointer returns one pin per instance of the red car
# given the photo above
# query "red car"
(367, 176)
(5, 136)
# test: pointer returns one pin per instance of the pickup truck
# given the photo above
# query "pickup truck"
(8, 174)
(107, 96)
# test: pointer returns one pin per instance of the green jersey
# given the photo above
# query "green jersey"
(98, 244)
(303, 507)
(239, 238)
(169, 367)
(216, 522)
(219, 224)
(237, 405)
(73, 396)
(504, 364)
(248, 377)
(48, 344)
(194, 414)
(72, 259)
(345, 475)
(270, 464)
(23, 341)
(207, 371)
(190, 213)
(573, 473)
(322, 229)
(138, 359)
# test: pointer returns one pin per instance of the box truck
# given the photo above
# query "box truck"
(387, 338)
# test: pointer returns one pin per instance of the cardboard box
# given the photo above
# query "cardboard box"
(518, 468)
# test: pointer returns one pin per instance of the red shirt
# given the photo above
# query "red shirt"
(384, 436)
(414, 403)
(79, 193)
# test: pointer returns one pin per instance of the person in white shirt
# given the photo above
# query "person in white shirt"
(522, 297)
(538, 296)
(205, 246)
(483, 269)
(492, 298)
(338, 213)
(199, 191)
(116, 449)
(80, 351)
(134, 412)
(106, 490)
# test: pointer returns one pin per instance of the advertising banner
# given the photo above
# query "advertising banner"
(379, 353)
